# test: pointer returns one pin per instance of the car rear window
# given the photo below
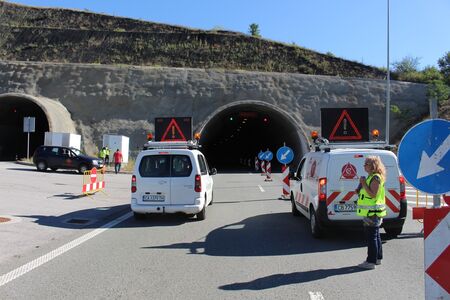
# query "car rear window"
(165, 166)
(202, 163)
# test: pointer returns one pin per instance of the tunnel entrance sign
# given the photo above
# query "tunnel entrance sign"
(345, 124)
(173, 129)
(285, 155)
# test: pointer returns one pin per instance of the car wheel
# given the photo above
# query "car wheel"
(41, 166)
(82, 168)
(202, 214)
(316, 231)
(295, 211)
(138, 216)
(393, 232)
(54, 169)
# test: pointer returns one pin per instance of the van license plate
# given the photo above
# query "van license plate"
(347, 207)
(154, 197)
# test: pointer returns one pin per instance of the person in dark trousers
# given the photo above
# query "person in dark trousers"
(118, 158)
(372, 207)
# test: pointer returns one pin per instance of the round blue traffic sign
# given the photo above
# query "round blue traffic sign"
(285, 155)
(424, 156)
(268, 155)
(261, 155)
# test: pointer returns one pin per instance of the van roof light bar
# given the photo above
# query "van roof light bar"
(357, 145)
(172, 145)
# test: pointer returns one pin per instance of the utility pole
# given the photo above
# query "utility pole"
(388, 81)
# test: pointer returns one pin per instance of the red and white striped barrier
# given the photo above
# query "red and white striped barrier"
(268, 171)
(256, 164)
(436, 232)
(92, 181)
(263, 168)
(286, 182)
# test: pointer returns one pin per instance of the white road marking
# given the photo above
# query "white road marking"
(4, 279)
(316, 296)
(260, 188)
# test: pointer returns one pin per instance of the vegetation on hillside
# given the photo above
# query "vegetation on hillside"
(61, 35)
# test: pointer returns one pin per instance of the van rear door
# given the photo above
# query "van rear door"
(153, 184)
(183, 179)
(343, 175)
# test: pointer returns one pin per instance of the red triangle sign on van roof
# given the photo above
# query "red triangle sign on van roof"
(345, 132)
(173, 132)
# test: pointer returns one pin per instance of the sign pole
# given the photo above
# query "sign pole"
(28, 145)
(388, 81)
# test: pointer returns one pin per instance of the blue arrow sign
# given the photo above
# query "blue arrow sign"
(424, 156)
(261, 155)
(285, 155)
(268, 155)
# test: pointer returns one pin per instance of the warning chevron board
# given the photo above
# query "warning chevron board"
(174, 129)
(345, 124)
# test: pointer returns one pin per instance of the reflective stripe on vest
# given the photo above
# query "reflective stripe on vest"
(367, 206)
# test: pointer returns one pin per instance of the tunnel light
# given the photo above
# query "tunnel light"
(231, 118)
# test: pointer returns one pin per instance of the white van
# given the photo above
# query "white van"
(323, 189)
(171, 177)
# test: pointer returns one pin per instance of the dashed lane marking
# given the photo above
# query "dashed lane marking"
(8, 277)
(316, 296)
(261, 188)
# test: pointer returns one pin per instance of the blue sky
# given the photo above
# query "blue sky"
(350, 29)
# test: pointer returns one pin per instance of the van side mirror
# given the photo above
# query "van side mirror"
(213, 171)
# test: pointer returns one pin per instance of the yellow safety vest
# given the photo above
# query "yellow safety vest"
(367, 206)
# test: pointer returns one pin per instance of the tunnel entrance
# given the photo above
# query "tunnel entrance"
(234, 136)
(13, 141)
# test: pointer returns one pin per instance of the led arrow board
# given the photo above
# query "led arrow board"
(424, 156)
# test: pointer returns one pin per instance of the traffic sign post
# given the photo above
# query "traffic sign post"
(424, 159)
(29, 126)
(285, 155)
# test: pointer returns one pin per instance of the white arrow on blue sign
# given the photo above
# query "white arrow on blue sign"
(268, 155)
(424, 156)
(261, 155)
(285, 155)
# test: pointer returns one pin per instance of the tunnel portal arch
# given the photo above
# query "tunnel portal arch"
(50, 115)
(233, 135)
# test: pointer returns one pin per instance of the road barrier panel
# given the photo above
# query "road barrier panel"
(93, 181)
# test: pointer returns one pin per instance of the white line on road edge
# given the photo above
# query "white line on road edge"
(4, 279)
(260, 188)
(316, 296)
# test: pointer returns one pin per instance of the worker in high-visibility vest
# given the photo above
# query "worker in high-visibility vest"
(102, 154)
(371, 206)
(107, 151)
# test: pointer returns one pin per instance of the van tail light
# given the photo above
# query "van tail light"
(198, 183)
(401, 179)
(323, 189)
(133, 184)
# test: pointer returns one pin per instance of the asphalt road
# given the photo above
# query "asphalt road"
(249, 246)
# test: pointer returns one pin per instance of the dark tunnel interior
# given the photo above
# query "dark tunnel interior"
(232, 139)
(13, 139)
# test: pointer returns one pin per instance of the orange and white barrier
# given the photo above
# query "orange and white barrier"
(268, 172)
(286, 182)
(437, 252)
(93, 181)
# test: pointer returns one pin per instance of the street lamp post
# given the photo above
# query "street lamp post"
(388, 81)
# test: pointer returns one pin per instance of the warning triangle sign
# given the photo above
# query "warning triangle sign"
(173, 132)
(345, 129)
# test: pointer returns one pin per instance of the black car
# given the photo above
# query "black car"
(57, 157)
